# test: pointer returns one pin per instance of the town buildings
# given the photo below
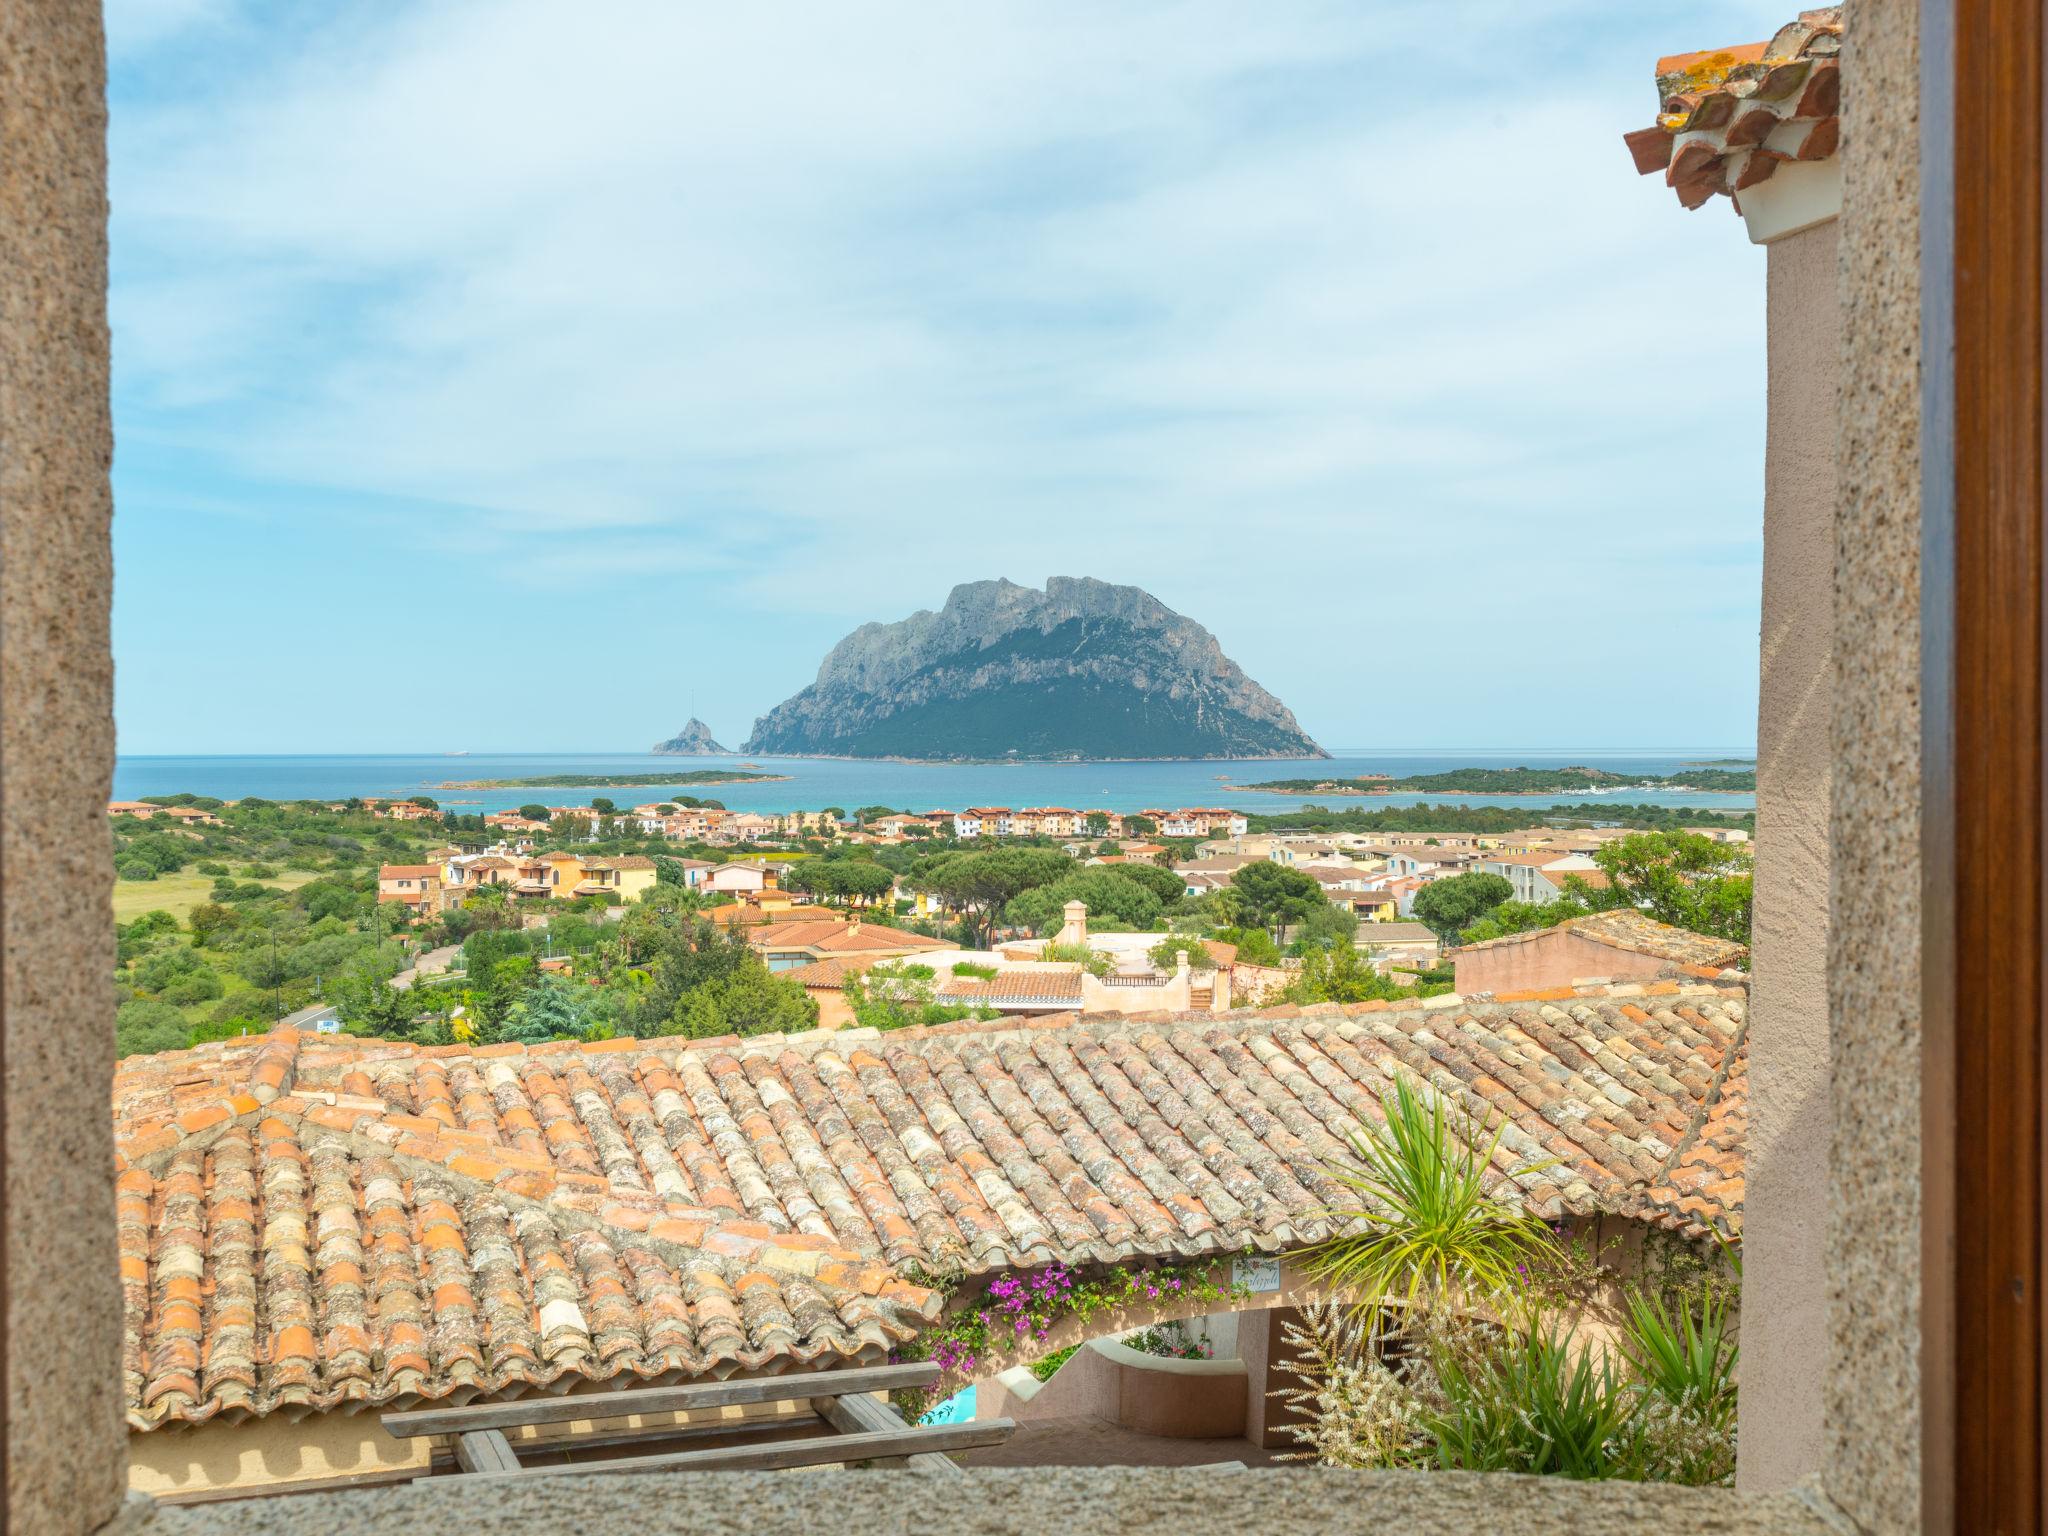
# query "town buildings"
(427, 889)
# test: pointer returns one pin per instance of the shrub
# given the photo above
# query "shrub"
(1170, 1340)
(211, 867)
(260, 872)
(146, 1025)
(135, 869)
(1093, 961)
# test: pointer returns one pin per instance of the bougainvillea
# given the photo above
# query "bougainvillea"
(1020, 1309)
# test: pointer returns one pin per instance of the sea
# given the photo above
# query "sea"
(813, 783)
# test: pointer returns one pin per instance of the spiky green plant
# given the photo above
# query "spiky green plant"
(1528, 1402)
(1424, 1227)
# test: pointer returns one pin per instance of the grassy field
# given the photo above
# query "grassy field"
(180, 893)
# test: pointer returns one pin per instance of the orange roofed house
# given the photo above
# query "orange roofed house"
(788, 943)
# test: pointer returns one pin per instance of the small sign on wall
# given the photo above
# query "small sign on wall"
(1255, 1275)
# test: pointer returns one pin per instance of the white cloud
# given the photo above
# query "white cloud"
(1021, 286)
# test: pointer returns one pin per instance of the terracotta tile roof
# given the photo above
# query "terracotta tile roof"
(1628, 929)
(1729, 117)
(1054, 988)
(1596, 879)
(406, 871)
(831, 972)
(1396, 933)
(318, 1221)
(839, 937)
(313, 1253)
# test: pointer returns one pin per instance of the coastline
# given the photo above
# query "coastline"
(651, 781)
(1495, 794)
(1019, 762)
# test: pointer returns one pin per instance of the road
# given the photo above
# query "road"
(433, 963)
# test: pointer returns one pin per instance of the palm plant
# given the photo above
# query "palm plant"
(1424, 1226)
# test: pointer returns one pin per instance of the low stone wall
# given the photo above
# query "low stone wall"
(1147, 1394)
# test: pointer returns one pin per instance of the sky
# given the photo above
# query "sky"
(488, 382)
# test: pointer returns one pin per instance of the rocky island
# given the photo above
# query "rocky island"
(693, 740)
(1083, 671)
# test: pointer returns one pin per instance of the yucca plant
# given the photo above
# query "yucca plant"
(1528, 1402)
(1686, 1352)
(1424, 1226)
(1684, 1358)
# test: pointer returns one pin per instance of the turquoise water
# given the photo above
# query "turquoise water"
(957, 1409)
(817, 782)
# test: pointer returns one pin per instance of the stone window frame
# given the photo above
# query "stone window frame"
(65, 1441)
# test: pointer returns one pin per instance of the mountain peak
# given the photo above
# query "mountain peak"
(1084, 669)
(693, 740)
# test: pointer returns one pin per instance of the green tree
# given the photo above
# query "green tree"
(980, 885)
(1254, 946)
(895, 995)
(1163, 883)
(864, 882)
(1108, 893)
(1140, 826)
(1326, 926)
(533, 812)
(691, 955)
(1272, 895)
(211, 921)
(1681, 878)
(1522, 916)
(370, 1005)
(551, 1009)
(749, 1000)
(1449, 905)
(1341, 974)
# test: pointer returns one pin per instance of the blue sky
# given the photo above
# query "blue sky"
(484, 382)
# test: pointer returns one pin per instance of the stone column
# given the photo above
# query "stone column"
(66, 1446)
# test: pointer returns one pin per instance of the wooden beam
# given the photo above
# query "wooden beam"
(856, 1415)
(670, 1435)
(681, 1399)
(1985, 999)
(485, 1450)
(821, 1451)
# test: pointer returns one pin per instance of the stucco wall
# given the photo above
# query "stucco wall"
(1554, 957)
(1784, 1347)
(1149, 1395)
(1873, 1418)
(64, 1436)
